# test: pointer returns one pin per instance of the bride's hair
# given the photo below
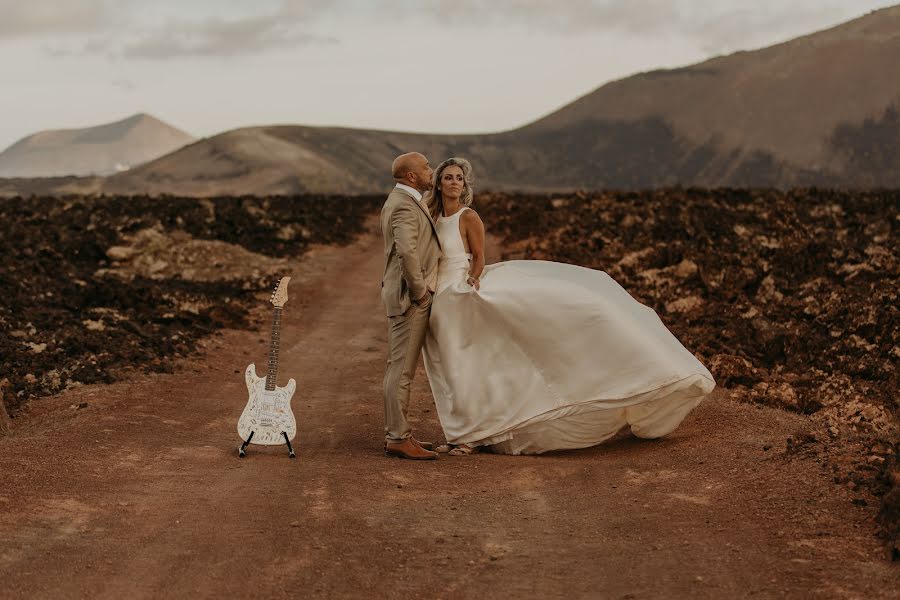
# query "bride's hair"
(433, 199)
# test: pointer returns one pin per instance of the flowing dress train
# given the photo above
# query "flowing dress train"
(550, 356)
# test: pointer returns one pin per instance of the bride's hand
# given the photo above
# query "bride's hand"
(475, 283)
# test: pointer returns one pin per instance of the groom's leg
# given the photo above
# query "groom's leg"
(406, 335)
(395, 424)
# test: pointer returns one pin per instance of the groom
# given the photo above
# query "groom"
(411, 253)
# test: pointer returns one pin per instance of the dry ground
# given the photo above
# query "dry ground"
(139, 493)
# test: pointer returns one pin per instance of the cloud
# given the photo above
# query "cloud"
(766, 23)
(223, 29)
(123, 83)
(219, 38)
(715, 25)
(564, 16)
(286, 25)
(30, 18)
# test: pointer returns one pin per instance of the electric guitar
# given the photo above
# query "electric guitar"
(267, 419)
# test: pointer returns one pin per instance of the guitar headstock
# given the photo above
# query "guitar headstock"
(280, 295)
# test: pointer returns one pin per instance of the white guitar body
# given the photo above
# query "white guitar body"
(268, 412)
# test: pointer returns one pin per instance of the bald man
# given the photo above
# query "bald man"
(411, 253)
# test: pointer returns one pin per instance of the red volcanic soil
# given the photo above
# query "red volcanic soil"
(134, 488)
(791, 299)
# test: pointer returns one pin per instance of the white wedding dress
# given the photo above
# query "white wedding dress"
(550, 356)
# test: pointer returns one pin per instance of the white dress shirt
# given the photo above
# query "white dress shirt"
(413, 192)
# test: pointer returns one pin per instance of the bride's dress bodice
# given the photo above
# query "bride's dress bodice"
(453, 266)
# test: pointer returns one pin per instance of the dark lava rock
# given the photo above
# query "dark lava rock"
(792, 297)
(66, 318)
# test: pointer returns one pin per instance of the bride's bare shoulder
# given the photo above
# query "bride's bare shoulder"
(470, 216)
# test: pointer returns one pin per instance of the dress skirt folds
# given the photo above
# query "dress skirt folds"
(550, 356)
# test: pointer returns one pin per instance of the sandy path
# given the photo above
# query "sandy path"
(140, 494)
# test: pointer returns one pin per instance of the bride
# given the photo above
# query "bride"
(528, 356)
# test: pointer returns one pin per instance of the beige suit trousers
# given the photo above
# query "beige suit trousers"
(406, 335)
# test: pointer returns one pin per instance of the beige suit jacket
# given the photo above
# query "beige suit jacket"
(411, 252)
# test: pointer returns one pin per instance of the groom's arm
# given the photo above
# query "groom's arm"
(405, 226)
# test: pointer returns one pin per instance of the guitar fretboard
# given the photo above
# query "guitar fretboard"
(272, 372)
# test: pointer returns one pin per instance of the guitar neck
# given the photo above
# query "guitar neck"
(272, 372)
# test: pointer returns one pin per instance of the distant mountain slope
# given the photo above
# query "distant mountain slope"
(806, 110)
(822, 109)
(281, 160)
(99, 150)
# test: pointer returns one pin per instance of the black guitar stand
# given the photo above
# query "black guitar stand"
(242, 450)
(290, 448)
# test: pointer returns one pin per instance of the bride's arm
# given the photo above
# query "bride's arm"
(475, 237)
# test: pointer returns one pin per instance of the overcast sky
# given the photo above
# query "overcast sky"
(207, 66)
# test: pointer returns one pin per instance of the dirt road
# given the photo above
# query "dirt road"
(139, 493)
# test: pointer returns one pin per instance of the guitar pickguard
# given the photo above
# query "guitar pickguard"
(268, 412)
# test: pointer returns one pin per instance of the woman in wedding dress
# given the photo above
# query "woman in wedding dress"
(528, 356)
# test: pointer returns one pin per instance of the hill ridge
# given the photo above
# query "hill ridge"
(113, 146)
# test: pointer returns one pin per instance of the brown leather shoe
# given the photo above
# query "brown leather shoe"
(408, 448)
(423, 445)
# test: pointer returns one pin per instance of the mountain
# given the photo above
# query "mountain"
(822, 109)
(99, 150)
(281, 160)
